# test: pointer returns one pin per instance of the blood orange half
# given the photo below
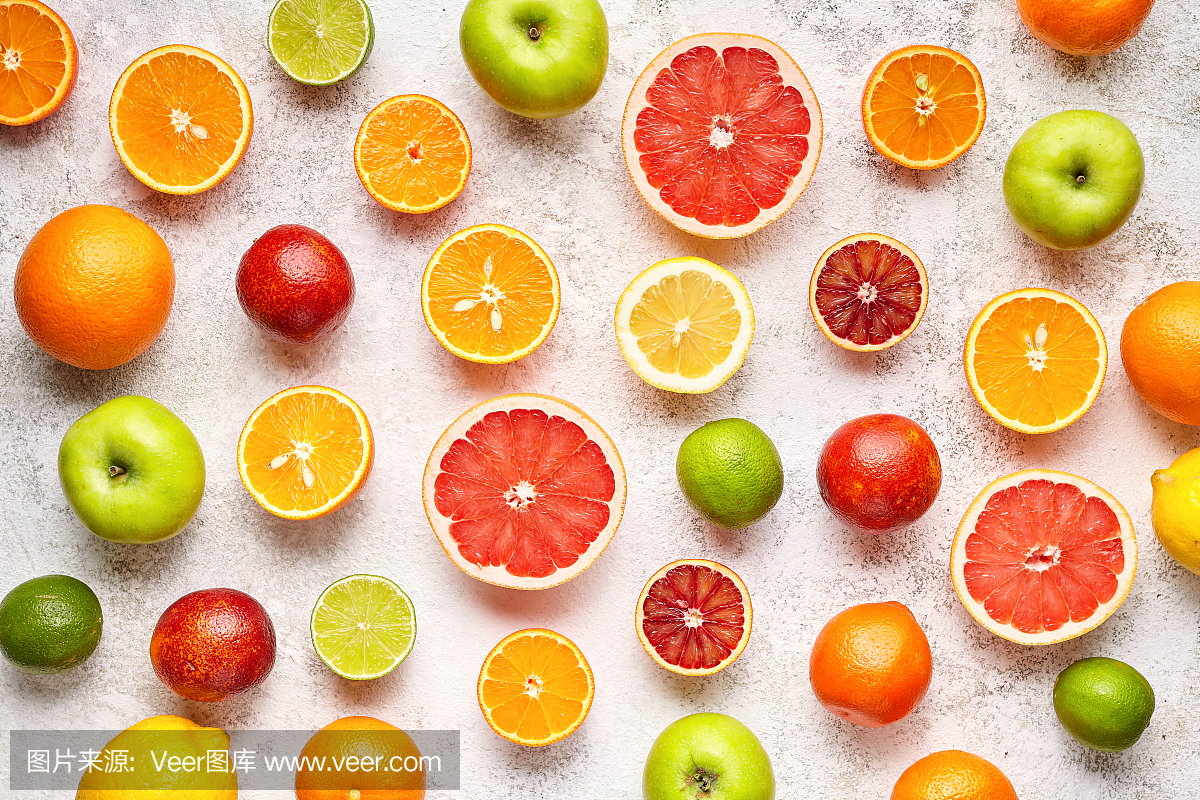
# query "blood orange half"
(524, 491)
(1043, 556)
(868, 292)
(721, 134)
(694, 617)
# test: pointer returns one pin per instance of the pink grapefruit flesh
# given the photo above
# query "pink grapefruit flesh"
(524, 491)
(1043, 556)
(694, 617)
(721, 134)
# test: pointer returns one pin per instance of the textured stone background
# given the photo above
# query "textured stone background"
(564, 183)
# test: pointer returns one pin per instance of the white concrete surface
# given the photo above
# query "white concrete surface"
(564, 183)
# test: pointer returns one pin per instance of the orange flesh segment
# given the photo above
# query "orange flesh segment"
(1007, 372)
(483, 265)
(694, 616)
(294, 424)
(525, 491)
(868, 292)
(713, 323)
(179, 118)
(722, 136)
(535, 688)
(896, 104)
(414, 154)
(1043, 554)
(36, 43)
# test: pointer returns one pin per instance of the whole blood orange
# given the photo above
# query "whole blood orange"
(721, 134)
(953, 775)
(368, 758)
(213, 644)
(94, 287)
(1084, 27)
(879, 473)
(871, 664)
(1160, 348)
(295, 285)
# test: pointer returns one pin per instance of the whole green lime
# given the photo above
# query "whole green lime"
(730, 472)
(1104, 703)
(50, 624)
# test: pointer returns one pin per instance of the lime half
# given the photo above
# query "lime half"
(320, 42)
(363, 626)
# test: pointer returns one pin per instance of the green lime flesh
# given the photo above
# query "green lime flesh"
(730, 472)
(320, 42)
(1104, 703)
(50, 624)
(363, 626)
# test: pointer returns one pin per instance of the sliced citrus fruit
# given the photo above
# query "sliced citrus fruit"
(180, 119)
(685, 325)
(305, 452)
(535, 687)
(924, 106)
(721, 134)
(490, 294)
(524, 491)
(320, 42)
(363, 626)
(1035, 360)
(412, 154)
(868, 292)
(1043, 556)
(694, 616)
(39, 61)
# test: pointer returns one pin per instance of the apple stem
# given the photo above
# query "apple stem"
(535, 34)
(1081, 179)
(114, 471)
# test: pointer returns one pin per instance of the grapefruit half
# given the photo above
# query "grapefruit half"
(694, 617)
(721, 134)
(1043, 556)
(524, 491)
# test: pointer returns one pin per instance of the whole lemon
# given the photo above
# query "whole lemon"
(1175, 509)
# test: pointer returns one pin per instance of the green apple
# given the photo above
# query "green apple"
(536, 58)
(707, 755)
(1074, 178)
(131, 471)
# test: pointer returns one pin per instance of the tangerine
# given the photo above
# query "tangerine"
(1160, 344)
(1084, 27)
(94, 287)
(871, 664)
(953, 775)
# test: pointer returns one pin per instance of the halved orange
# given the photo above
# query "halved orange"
(39, 61)
(535, 687)
(305, 452)
(180, 119)
(412, 154)
(1035, 360)
(490, 294)
(924, 106)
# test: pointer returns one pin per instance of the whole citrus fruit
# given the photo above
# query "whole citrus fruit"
(1084, 27)
(879, 473)
(730, 472)
(50, 624)
(94, 287)
(1175, 509)
(213, 644)
(295, 285)
(395, 772)
(953, 775)
(871, 664)
(1160, 347)
(1103, 703)
(161, 739)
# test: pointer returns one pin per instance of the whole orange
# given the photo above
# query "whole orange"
(1160, 348)
(871, 664)
(353, 743)
(953, 775)
(1084, 27)
(94, 287)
